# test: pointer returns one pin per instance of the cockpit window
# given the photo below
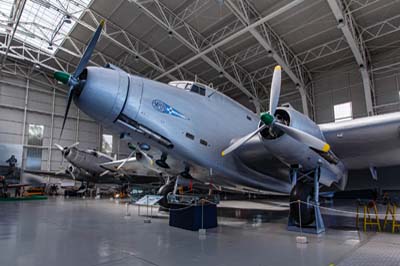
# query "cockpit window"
(198, 90)
(181, 85)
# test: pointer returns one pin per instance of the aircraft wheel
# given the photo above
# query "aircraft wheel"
(304, 193)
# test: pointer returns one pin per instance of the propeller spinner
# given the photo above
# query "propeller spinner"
(73, 80)
(269, 120)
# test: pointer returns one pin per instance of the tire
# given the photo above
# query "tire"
(304, 193)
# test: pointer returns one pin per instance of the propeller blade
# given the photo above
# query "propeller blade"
(304, 137)
(104, 173)
(89, 50)
(148, 159)
(61, 148)
(59, 172)
(124, 162)
(275, 90)
(74, 145)
(71, 171)
(241, 141)
(73, 81)
(70, 96)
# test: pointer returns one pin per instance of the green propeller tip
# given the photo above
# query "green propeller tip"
(62, 76)
(267, 118)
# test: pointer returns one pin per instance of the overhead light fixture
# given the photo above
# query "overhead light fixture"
(340, 23)
(170, 34)
(50, 47)
(221, 74)
(67, 19)
(270, 53)
(36, 66)
(136, 58)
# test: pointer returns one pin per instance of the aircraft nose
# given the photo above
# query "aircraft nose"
(103, 93)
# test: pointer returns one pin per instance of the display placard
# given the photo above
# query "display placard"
(149, 200)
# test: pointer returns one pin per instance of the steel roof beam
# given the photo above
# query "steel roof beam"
(20, 5)
(129, 43)
(348, 26)
(230, 36)
(279, 51)
(193, 40)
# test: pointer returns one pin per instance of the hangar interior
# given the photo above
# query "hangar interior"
(154, 38)
(340, 60)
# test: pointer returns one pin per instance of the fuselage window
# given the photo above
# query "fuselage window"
(189, 136)
(202, 141)
(248, 118)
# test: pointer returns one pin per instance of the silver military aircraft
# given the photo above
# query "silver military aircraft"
(92, 165)
(282, 150)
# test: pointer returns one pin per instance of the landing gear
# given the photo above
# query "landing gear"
(304, 205)
(164, 191)
(303, 215)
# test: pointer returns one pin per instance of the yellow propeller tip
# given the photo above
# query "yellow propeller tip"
(278, 67)
(326, 148)
(102, 22)
(222, 153)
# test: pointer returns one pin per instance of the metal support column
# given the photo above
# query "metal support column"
(348, 26)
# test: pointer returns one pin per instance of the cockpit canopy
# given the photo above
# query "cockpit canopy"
(191, 86)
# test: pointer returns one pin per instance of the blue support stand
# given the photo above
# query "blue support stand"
(318, 226)
(319, 223)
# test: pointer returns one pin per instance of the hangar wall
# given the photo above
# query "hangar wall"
(344, 84)
(32, 101)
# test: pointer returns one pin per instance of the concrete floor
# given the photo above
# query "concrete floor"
(74, 232)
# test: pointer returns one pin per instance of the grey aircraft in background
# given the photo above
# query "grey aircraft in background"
(92, 166)
(281, 150)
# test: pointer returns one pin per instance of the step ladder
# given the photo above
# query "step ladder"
(367, 205)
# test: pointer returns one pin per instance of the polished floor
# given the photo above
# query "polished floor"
(88, 232)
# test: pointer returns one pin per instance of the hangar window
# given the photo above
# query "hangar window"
(343, 111)
(34, 151)
(198, 90)
(107, 143)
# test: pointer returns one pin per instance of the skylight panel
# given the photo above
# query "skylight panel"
(44, 23)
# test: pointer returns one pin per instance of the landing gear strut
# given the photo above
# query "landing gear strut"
(304, 205)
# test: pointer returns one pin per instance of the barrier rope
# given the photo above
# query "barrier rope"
(331, 209)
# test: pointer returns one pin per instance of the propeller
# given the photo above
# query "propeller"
(73, 80)
(126, 160)
(65, 149)
(269, 120)
(148, 159)
(104, 173)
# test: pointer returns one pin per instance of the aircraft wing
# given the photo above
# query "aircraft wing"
(15, 185)
(132, 166)
(366, 142)
(48, 173)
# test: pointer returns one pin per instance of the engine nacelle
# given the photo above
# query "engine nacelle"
(293, 152)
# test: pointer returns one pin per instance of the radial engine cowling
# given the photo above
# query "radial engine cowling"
(293, 152)
(103, 94)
